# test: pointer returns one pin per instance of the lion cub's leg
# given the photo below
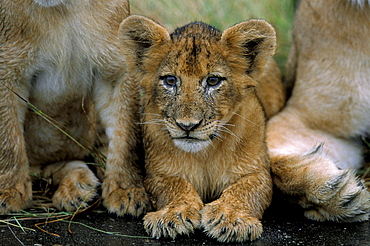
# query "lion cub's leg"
(236, 215)
(76, 184)
(311, 166)
(178, 206)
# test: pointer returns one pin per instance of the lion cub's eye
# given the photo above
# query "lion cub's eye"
(169, 80)
(214, 81)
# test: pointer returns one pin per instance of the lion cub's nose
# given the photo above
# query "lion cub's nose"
(187, 125)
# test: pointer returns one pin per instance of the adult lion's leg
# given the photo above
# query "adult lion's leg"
(15, 183)
(123, 188)
(312, 166)
(76, 184)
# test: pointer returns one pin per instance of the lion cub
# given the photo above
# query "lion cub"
(63, 57)
(203, 125)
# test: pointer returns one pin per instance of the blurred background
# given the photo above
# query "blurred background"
(223, 14)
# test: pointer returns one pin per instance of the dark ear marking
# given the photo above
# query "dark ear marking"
(137, 34)
(143, 43)
(251, 50)
(253, 40)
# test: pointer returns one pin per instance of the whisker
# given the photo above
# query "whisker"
(153, 121)
(227, 130)
(225, 124)
(152, 114)
(156, 120)
(222, 128)
(217, 135)
(245, 118)
(213, 146)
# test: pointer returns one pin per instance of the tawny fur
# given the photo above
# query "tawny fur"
(203, 125)
(270, 89)
(63, 57)
(316, 137)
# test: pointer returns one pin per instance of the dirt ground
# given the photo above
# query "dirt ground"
(284, 224)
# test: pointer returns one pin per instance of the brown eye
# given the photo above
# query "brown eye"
(169, 80)
(214, 81)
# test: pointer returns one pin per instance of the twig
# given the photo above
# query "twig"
(80, 211)
(47, 222)
(15, 235)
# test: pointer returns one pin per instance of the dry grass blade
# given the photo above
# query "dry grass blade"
(53, 217)
(63, 218)
(106, 232)
(6, 221)
(365, 172)
(99, 157)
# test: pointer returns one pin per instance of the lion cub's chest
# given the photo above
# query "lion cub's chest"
(209, 176)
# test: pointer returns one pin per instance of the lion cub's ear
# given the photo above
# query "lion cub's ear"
(253, 40)
(138, 34)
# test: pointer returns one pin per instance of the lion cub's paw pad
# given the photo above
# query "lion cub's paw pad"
(227, 224)
(342, 199)
(75, 191)
(170, 222)
(133, 201)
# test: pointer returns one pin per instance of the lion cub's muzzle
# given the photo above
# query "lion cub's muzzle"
(188, 126)
(191, 135)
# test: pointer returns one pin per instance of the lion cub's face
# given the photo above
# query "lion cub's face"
(195, 79)
(194, 87)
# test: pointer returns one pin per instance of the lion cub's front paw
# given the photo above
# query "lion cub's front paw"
(16, 198)
(75, 190)
(227, 224)
(133, 201)
(343, 198)
(172, 221)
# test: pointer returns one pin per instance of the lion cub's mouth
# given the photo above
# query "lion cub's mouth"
(191, 137)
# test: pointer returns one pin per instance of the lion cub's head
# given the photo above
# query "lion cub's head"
(196, 79)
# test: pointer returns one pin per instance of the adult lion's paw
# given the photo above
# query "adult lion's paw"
(16, 198)
(132, 201)
(227, 224)
(172, 221)
(343, 198)
(75, 190)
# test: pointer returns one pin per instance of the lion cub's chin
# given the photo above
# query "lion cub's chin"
(49, 3)
(191, 145)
